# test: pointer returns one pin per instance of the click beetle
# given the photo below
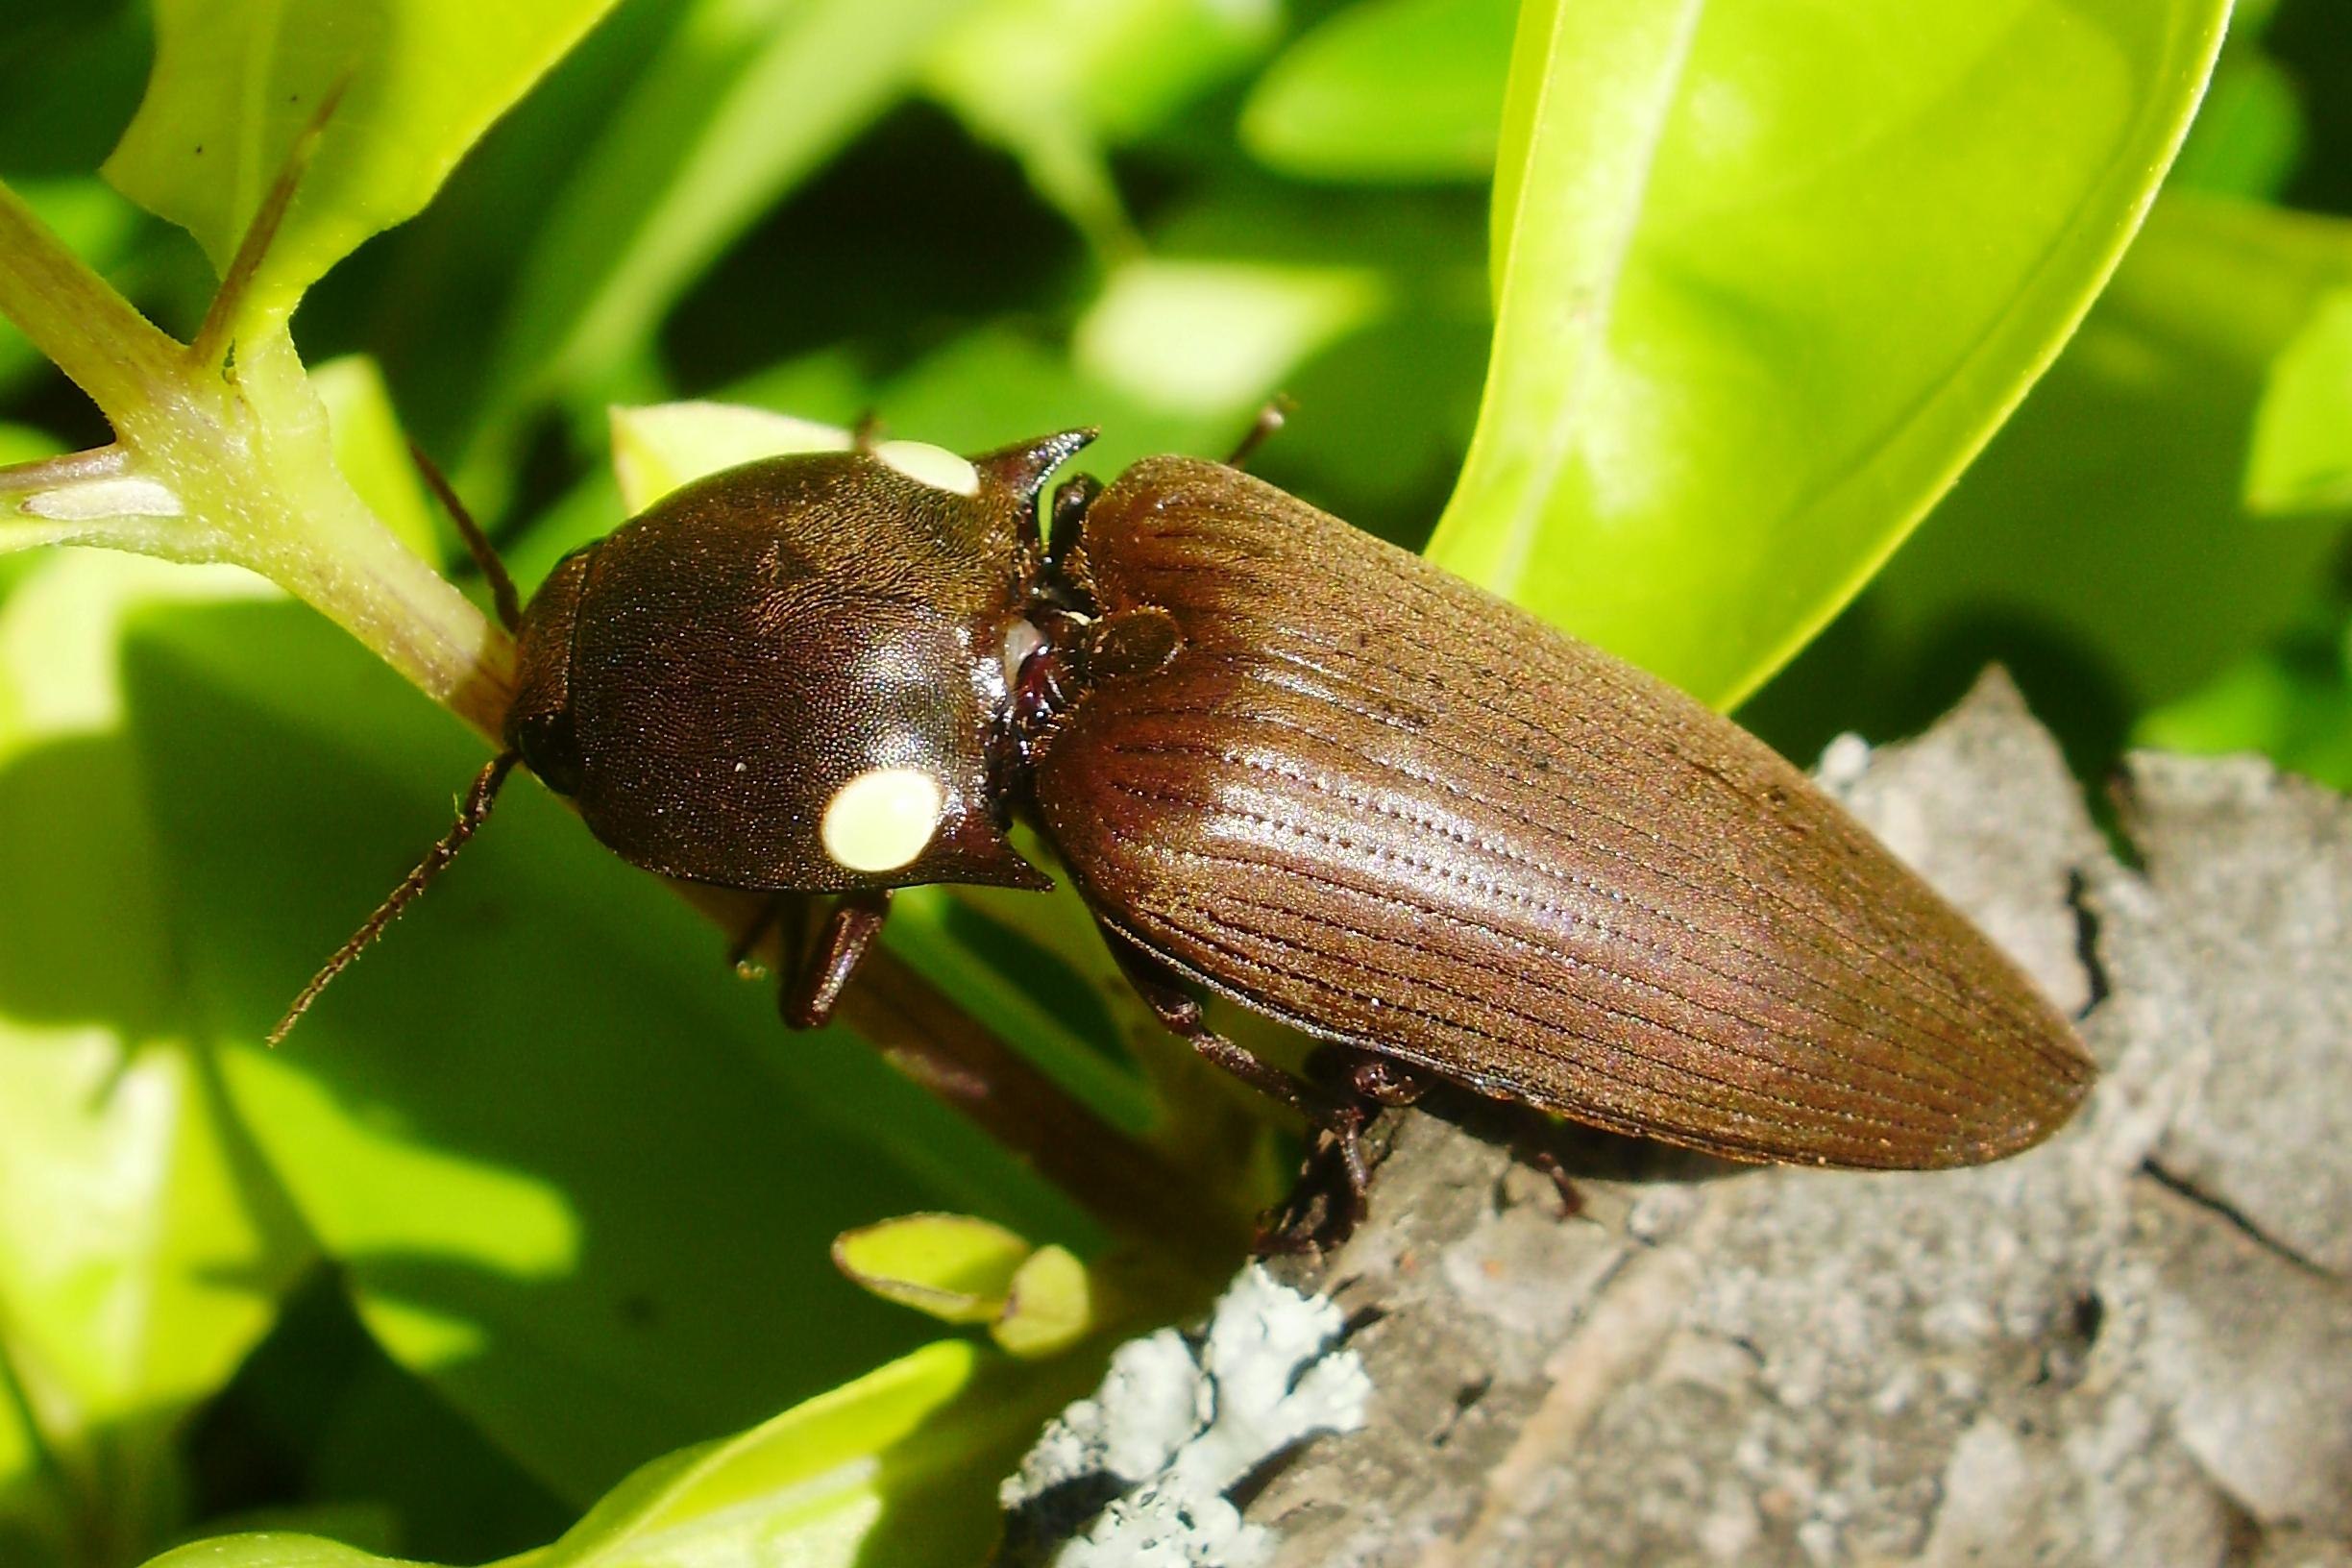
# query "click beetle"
(1284, 763)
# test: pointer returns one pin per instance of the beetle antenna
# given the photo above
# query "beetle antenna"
(478, 803)
(211, 347)
(478, 542)
(1270, 418)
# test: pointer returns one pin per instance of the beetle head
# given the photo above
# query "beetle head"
(793, 675)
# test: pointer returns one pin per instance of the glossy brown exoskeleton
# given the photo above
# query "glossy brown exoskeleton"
(1282, 762)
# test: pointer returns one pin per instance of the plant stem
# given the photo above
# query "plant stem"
(94, 336)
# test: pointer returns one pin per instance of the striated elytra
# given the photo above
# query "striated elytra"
(1282, 762)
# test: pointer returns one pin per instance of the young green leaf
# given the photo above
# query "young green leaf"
(1768, 276)
(1050, 1305)
(957, 1267)
(236, 83)
(661, 445)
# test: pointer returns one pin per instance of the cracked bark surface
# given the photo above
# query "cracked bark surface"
(2131, 1345)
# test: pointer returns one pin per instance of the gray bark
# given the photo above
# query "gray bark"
(2131, 1345)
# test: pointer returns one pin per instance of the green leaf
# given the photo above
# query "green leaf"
(745, 98)
(897, 1467)
(572, 1173)
(1049, 1306)
(141, 1254)
(1393, 89)
(1061, 81)
(2302, 458)
(275, 1550)
(1770, 275)
(661, 445)
(1195, 336)
(956, 1267)
(2111, 514)
(2103, 547)
(236, 81)
(2293, 705)
(2250, 133)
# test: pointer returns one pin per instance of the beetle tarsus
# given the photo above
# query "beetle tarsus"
(1333, 1193)
(812, 990)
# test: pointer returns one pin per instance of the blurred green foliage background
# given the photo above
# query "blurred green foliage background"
(540, 1197)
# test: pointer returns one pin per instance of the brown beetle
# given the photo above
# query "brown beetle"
(1284, 762)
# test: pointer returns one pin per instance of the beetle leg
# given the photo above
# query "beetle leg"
(810, 992)
(1071, 499)
(1563, 1184)
(1182, 1016)
(1338, 1121)
(1370, 1077)
(770, 913)
(867, 433)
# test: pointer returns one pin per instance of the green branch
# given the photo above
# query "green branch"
(72, 315)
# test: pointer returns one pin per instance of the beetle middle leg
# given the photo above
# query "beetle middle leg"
(1338, 1120)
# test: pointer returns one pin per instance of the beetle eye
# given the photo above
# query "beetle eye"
(933, 466)
(881, 819)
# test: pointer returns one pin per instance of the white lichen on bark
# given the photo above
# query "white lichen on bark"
(1178, 1424)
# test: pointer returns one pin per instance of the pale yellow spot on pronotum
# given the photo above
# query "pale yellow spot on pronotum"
(933, 466)
(881, 819)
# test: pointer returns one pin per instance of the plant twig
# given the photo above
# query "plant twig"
(124, 361)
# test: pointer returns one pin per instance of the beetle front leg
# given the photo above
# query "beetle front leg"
(811, 990)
